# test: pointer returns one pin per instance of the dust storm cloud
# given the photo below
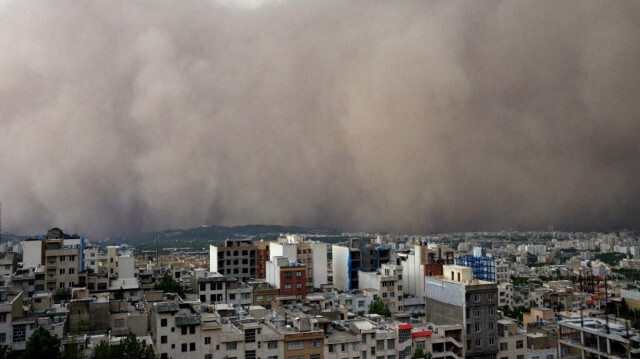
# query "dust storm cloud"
(122, 117)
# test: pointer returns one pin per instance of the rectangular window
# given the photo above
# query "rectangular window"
(163, 339)
(272, 344)
(232, 346)
(287, 287)
(163, 322)
(391, 343)
(250, 336)
(519, 344)
(315, 343)
(207, 340)
(380, 344)
(184, 347)
(192, 347)
(297, 345)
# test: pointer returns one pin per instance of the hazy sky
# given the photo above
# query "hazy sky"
(416, 116)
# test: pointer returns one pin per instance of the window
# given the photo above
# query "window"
(299, 285)
(287, 287)
(232, 346)
(62, 270)
(62, 258)
(476, 312)
(490, 311)
(184, 347)
(478, 343)
(184, 330)
(332, 348)
(250, 336)
(520, 356)
(72, 270)
(192, 347)
(315, 343)
(287, 275)
(315, 356)
(299, 274)
(207, 340)
(298, 345)
(504, 346)
(478, 327)
(3, 337)
(492, 341)
(391, 343)
(380, 344)
(163, 339)
(163, 322)
(490, 325)
(250, 354)
(272, 344)
(519, 344)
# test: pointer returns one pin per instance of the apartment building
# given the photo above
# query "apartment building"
(360, 255)
(237, 258)
(312, 254)
(425, 260)
(29, 281)
(596, 338)
(288, 276)
(512, 343)
(388, 282)
(457, 298)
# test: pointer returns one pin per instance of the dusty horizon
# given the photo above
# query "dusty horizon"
(409, 117)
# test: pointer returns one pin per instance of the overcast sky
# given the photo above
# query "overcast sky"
(413, 117)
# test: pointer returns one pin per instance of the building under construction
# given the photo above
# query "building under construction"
(484, 268)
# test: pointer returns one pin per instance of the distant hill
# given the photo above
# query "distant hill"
(200, 237)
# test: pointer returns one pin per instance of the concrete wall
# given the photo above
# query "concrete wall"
(340, 267)
(31, 253)
(320, 266)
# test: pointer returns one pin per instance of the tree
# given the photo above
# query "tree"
(168, 285)
(62, 294)
(419, 353)
(378, 307)
(41, 344)
(129, 348)
(72, 350)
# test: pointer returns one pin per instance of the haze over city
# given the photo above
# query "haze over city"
(131, 116)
